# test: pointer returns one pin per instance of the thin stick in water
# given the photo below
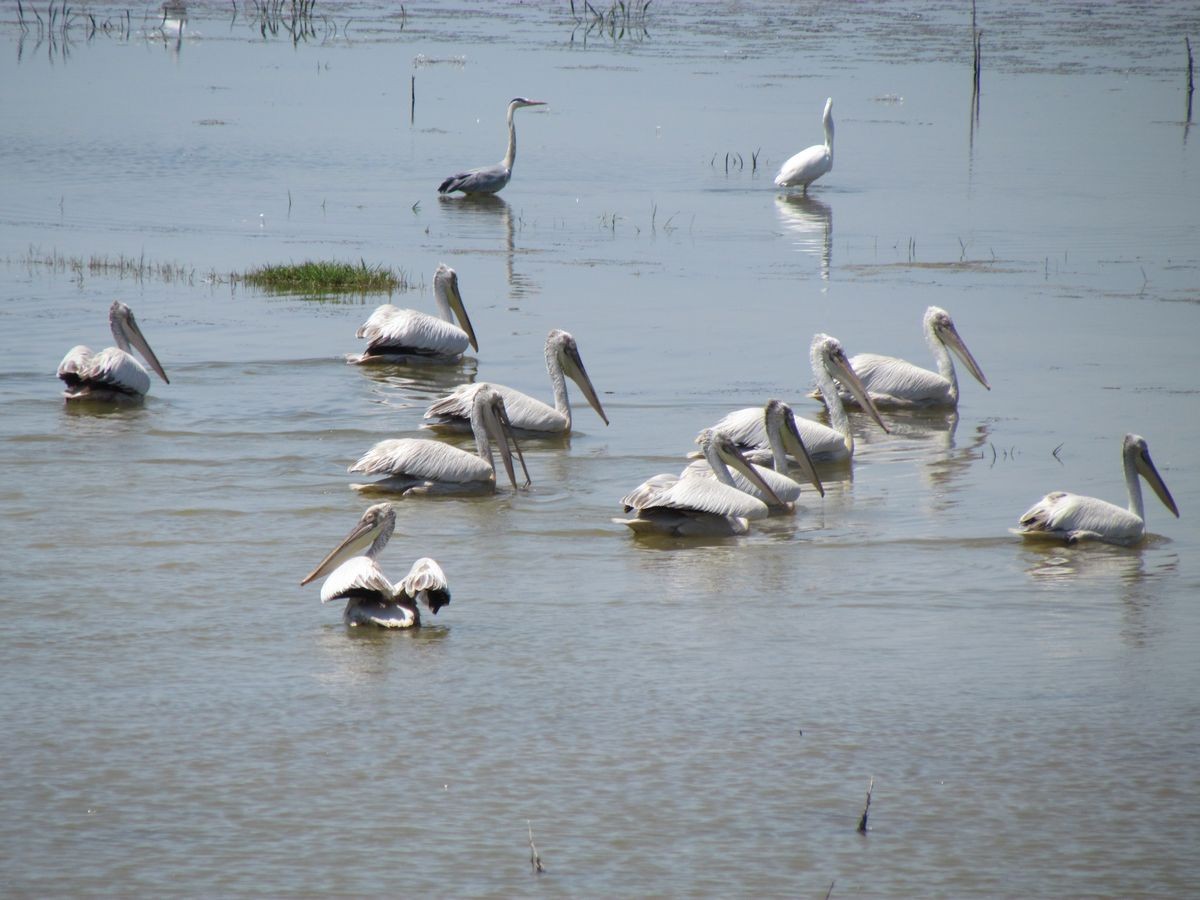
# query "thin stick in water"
(862, 822)
(534, 860)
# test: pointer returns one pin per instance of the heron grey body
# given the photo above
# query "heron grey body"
(490, 179)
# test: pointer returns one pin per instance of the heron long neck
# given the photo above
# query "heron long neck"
(833, 400)
(558, 383)
(511, 156)
(1134, 486)
(945, 364)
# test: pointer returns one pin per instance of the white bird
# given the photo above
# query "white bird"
(370, 598)
(685, 507)
(111, 374)
(406, 335)
(811, 163)
(491, 179)
(449, 414)
(1072, 517)
(897, 384)
(783, 438)
(423, 466)
(824, 444)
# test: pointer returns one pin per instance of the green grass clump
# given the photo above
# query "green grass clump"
(327, 277)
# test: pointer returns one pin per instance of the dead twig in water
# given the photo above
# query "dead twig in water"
(829, 893)
(534, 860)
(862, 822)
(1054, 453)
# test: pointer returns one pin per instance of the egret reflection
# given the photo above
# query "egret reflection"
(810, 223)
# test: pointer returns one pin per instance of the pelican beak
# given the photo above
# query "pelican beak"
(734, 458)
(573, 366)
(950, 337)
(1145, 468)
(360, 536)
(851, 382)
(135, 337)
(500, 430)
(794, 444)
(460, 311)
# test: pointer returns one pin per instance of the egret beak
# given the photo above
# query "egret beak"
(794, 444)
(133, 334)
(950, 337)
(851, 382)
(573, 366)
(1145, 467)
(359, 537)
(733, 457)
(456, 303)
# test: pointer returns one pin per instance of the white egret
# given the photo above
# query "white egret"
(812, 162)
(112, 374)
(491, 179)
(424, 466)
(685, 507)
(449, 414)
(406, 335)
(1072, 517)
(370, 598)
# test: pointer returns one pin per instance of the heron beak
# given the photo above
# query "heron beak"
(460, 311)
(573, 366)
(1145, 467)
(952, 340)
(135, 337)
(851, 382)
(500, 430)
(734, 458)
(794, 444)
(360, 536)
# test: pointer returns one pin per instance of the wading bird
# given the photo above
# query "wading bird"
(490, 179)
(1072, 517)
(450, 413)
(112, 374)
(424, 466)
(897, 384)
(370, 598)
(405, 335)
(811, 163)
(686, 507)
(824, 444)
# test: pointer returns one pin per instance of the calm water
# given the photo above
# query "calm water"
(671, 718)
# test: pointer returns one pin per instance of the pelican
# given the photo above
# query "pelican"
(1072, 517)
(563, 361)
(403, 335)
(370, 598)
(422, 466)
(686, 507)
(811, 163)
(824, 444)
(491, 179)
(896, 384)
(111, 374)
(783, 438)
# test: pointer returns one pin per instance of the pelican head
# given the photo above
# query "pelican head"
(782, 430)
(1136, 452)
(373, 530)
(487, 409)
(445, 286)
(561, 346)
(827, 352)
(126, 333)
(721, 451)
(939, 324)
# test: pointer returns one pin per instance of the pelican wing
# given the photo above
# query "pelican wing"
(703, 495)
(484, 180)
(360, 575)
(406, 331)
(1072, 517)
(427, 581)
(748, 430)
(785, 488)
(75, 364)
(805, 167)
(423, 459)
(896, 381)
(111, 368)
(524, 412)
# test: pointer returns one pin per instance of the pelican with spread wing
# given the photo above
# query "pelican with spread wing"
(112, 374)
(397, 335)
(370, 598)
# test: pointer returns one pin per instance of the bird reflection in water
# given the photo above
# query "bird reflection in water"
(811, 223)
(473, 214)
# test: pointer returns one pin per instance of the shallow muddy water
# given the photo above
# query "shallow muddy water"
(669, 717)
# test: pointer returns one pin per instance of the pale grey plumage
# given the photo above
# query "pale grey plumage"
(112, 374)
(491, 179)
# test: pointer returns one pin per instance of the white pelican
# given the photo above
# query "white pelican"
(685, 507)
(111, 374)
(404, 335)
(1072, 517)
(370, 598)
(563, 361)
(783, 438)
(824, 444)
(896, 384)
(811, 163)
(491, 179)
(423, 466)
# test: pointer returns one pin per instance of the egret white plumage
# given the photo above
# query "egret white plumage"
(491, 179)
(897, 384)
(112, 374)
(685, 507)
(824, 443)
(812, 162)
(1072, 517)
(370, 598)
(406, 335)
(449, 414)
(783, 438)
(424, 466)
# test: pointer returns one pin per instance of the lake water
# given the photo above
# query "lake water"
(668, 717)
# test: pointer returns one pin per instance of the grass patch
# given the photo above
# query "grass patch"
(327, 278)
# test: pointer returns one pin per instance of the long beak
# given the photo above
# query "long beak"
(851, 382)
(460, 311)
(361, 536)
(794, 444)
(499, 428)
(574, 368)
(952, 340)
(1145, 467)
(733, 457)
(134, 334)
